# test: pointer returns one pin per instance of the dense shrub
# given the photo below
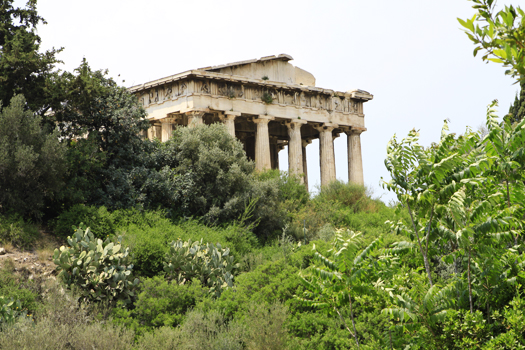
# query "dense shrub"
(31, 160)
(100, 269)
(14, 287)
(14, 230)
(160, 303)
(98, 219)
(209, 263)
(149, 244)
(348, 194)
(63, 323)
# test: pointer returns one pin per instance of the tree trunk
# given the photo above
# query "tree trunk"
(423, 252)
(469, 284)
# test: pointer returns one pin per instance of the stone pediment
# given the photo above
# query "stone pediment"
(272, 68)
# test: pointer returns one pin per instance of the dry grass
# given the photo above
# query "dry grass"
(45, 247)
(8, 247)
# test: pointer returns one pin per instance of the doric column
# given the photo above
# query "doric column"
(326, 153)
(274, 152)
(355, 160)
(295, 147)
(262, 143)
(195, 118)
(305, 143)
(166, 127)
(228, 119)
(151, 132)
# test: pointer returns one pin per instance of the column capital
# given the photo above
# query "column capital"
(326, 127)
(195, 113)
(263, 119)
(295, 121)
(355, 131)
(306, 142)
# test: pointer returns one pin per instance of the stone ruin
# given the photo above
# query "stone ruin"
(266, 103)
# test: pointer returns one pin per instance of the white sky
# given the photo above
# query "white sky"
(410, 54)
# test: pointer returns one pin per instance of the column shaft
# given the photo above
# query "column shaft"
(229, 121)
(355, 160)
(327, 159)
(166, 131)
(305, 168)
(262, 144)
(295, 148)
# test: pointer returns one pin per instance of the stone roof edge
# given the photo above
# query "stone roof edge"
(357, 94)
(281, 57)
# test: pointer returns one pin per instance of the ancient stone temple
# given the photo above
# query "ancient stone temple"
(266, 103)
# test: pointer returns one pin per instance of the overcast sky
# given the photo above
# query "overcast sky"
(410, 54)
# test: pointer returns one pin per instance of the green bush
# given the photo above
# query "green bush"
(101, 269)
(160, 303)
(11, 311)
(209, 263)
(14, 287)
(149, 245)
(348, 194)
(62, 323)
(32, 163)
(98, 219)
(199, 331)
(16, 231)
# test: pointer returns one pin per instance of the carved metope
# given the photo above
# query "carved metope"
(326, 153)
(262, 143)
(355, 161)
(295, 147)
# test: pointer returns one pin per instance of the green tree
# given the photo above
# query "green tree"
(424, 178)
(517, 109)
(23, 68)
(211, 177)
(31, 160)
(499, 35)
(334, 280)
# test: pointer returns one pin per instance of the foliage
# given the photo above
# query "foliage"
(62, 323)
(331, 282)
(212, 172)
(354, 197)
(160, 303)
(499, 35)
(267, 98)
(11, 311)
(16, 231)
(24, 69)
(31, 160)
(16, 288)
(98, 219)
(209, 263)
(99, 268)
(421, 307)
(517, 109)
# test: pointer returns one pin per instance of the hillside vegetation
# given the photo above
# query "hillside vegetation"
(183, 245)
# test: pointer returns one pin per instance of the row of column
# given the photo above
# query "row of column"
(296, 146)
(297, 150)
